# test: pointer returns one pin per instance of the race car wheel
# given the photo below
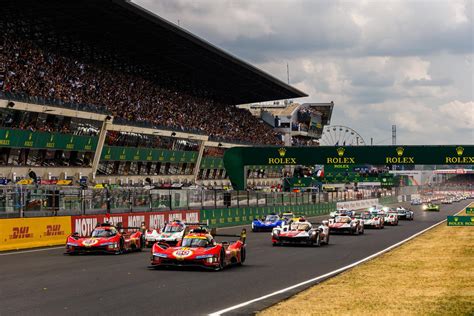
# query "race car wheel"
(242, 256)
(221, 260)
(327, 239)
(122, 246)
(355, 231)
(317, 242)
(362, 230)
(142, 243)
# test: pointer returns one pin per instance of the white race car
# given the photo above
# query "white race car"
(301, 232)
(171, 234)
(346, 224)
(390, 217)
(341, 211)
(371, 219)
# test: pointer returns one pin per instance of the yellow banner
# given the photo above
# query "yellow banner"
(21, 233)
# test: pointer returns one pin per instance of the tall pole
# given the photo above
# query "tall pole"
(394, 134)
(288, 73)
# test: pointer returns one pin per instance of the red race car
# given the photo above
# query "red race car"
(198, 248)
(107, 238)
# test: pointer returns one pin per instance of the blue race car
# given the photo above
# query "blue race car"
(267, 224)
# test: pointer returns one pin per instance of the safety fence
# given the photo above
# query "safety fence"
(21, 233)
(239, 216)
(33, 201)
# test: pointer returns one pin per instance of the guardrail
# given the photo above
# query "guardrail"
(33, 201)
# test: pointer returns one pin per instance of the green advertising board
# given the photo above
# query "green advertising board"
(45, 140)
(460, 221)
(112, 153)
(212, 163)
(236, 158)
(222, 217)
(470, 210)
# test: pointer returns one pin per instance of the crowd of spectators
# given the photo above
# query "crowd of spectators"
(28, 70)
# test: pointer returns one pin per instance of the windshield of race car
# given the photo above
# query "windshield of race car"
(195, 242)
(299, 226)
(100, 232)
(271, 218)
(173, 228)
(343, 219)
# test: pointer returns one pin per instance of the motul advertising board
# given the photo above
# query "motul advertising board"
(84, 224)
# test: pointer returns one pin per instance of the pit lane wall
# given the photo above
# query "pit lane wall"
(223, 217)
(22, 233)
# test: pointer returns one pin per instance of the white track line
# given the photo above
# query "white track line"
(332, 273)
(26, 251)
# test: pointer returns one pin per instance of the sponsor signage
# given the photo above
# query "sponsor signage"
(236, 158)
(282, 160)
(460, 221)
(470, 210)
(85, 224)
(21, 233)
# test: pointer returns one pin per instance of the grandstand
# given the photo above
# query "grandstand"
(108, 91)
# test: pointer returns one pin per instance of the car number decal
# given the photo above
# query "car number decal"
(182, 253)
(90, 242)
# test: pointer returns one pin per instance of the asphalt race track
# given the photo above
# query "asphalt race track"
(48, 282)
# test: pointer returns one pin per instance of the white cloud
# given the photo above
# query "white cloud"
(407, 63)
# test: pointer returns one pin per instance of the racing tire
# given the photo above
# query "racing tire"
(355, 232)
(317, 242)
(221, 261)
(362, 230)
(327, 239)
(121, 246)
(243, 254)
(142, 243)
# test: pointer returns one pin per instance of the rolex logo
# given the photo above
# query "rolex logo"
(282, 152)
(459, 150)
(472, 218)
(340, 151)
(455, 219)
(400, 151)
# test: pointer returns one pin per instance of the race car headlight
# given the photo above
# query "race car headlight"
(160, 255)
(212, 260)
(204, 256)
(424, 207)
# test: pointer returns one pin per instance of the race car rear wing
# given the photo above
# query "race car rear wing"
(242, 237)
(325, 222)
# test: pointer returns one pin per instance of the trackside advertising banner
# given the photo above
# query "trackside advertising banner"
(21, 233)
(358, 205)
(86, 223)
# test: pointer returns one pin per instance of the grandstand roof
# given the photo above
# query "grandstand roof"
(141, 37)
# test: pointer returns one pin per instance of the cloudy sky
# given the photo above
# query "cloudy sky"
(408, 63)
